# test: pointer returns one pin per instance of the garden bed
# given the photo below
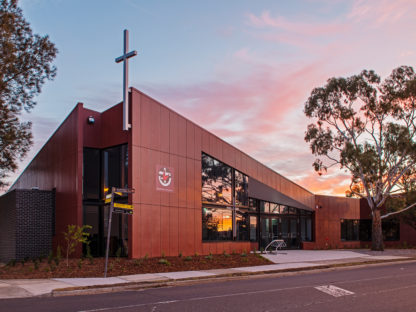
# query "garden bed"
(94, 267)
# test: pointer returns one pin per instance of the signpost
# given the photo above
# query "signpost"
(115, 208)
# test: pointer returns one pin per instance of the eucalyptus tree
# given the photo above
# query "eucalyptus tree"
(25, 64)
(367, 127)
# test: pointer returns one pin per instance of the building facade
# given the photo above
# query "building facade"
(194, 193)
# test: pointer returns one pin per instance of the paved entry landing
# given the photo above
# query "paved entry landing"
(294, 256)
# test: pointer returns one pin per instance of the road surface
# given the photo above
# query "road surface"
(389, 287)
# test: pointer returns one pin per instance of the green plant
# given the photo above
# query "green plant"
(52, 266)
(196, 254)
(209, 257)
(164, 261)
(57, 260)
(233, 252)
(137, 262)
(118, 253)
(146, 256)
(35, 264)
(261, 250)
(111, 266)
(188, 258)
(244, 253)
(75, 235)
(254, 250)
(89, 256)
(50, 257)
(226, 254)
(11, 263)
(59, 253)
(163, 254)
(46, 269)
(30, 269)
(80, 263)
(180, 254)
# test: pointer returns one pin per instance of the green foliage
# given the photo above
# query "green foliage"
(137, 262)
(59, 253)
(25, 64)
(146, 256)
(164, 261)
(50, 257)
(89, 256)
(75, 235)
(196, 254)
(36, 264)
(11, 263)
(118, 253)
(180, 254)
(80, 263)
(188, 258)
(367, 127)
(209, 257)
(163, 254)
(244, 254)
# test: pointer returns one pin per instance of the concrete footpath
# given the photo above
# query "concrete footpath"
(286, 260)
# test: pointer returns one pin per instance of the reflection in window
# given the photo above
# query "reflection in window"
(253, 228)
(217, 223)
(242, 225)
(274, 208)
(115, 167)
(216, 181)
(365, 230)
(241, 189)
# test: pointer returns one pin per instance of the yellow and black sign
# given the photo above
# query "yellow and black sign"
(123, 206)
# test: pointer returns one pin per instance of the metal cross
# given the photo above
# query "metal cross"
(125, 59)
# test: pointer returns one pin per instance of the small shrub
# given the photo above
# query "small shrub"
(52, 267)
(233, 252)
(59, 253)
(137, 262)
(50, 257)
(226, 254)
(254, 250)
(111, 266)
(163, 254)
(261, 250)
(164, 261)
(75, 235)
(89, 256)
(79, 264)
(209, 257)
(46, 269)
(118, 253)
(146, 256)
(244, 254)
(180, 254)
(35, 264)
(30, 269)
(188, 258)
(57, 260)
(244, 259)
(196, 254)
(11, 263)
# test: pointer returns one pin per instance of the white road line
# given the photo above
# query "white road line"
(334, 290)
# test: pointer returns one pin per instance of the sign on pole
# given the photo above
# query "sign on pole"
(115, 208)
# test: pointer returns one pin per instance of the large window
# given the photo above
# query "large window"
(216, 181)
(360, 230)
(217, 223)
(225, 211)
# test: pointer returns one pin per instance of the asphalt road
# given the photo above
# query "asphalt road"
(374, 288)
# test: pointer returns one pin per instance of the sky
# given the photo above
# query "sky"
(240, 69)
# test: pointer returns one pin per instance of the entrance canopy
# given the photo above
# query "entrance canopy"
(263, 192)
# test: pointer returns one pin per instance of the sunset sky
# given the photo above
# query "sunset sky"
(240, 69)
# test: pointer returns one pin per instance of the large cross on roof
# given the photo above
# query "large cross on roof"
(125, 59)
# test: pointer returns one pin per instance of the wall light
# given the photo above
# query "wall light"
(90, 120)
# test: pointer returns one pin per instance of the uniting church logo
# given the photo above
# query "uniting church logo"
(164, 178)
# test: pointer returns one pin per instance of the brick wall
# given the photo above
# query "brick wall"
(26, 224)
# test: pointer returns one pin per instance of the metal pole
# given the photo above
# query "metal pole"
(109, 231)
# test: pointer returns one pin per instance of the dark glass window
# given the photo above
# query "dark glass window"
(216, 181)
(391, 230)
(253, 228)
(284, 209)
(242, 222)
(115, 167)
(365, 230)
(306, 228)
(217, 223)
(349, 230)
(241, 189)
(91, 174)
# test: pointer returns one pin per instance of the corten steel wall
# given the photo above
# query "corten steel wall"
(59, 165)
(172, 222)
(328, 217)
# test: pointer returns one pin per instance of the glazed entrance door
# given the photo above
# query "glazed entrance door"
(290, 232)
(268, 230)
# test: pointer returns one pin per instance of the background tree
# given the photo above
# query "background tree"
(367, 127)
(25, 64)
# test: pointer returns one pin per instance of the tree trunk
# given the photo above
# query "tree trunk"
(377, 233)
